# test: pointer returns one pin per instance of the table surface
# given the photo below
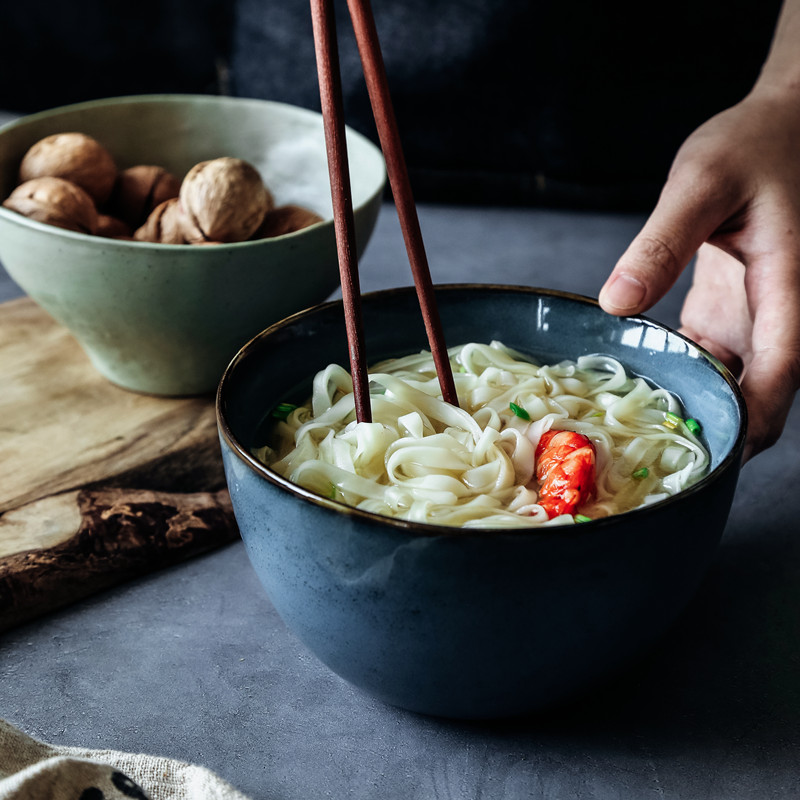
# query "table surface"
(193, 662)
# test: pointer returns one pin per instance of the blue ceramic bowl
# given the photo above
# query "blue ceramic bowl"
(478, 623)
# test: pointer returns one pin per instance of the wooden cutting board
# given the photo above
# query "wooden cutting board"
(97, 484)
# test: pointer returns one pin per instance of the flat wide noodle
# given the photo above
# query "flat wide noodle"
(423, 459)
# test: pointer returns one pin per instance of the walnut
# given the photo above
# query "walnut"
(55, 201)
(75, 157)
(164, 225)
(224, 200)
(138, 190)
(286, 219)
(112, 227)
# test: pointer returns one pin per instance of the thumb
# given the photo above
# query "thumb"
(683, 219)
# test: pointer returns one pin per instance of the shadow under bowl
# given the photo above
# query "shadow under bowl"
(475, 623)
(166, 319)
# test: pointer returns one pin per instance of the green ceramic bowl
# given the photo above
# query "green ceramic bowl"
(480, 622)
(166, 319)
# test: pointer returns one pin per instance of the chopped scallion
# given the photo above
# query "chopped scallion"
(671, 420)
(693, 425)
(282, 410)
(639, 474)
(582, 518)
(519, 411)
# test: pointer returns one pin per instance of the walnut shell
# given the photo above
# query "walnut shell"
(138, 190)
(286, 219)
(164, 225)
(55, 201)
(75, 157)
(112, 227)
(224, 200)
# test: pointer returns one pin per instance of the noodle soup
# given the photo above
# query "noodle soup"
(463, 619)
(479, 465)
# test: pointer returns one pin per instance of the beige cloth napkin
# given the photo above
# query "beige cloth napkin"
(34, 770)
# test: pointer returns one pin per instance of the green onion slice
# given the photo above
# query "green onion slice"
(641, 473)
(671, 420)
(282, 410)
(694, 426)
(582, 518)
(519, 411)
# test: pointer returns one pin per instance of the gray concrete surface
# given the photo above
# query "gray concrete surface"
(193, 662)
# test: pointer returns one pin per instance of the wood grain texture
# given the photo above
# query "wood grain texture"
(97, 484)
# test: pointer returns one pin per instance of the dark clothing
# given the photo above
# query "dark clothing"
(502, 101)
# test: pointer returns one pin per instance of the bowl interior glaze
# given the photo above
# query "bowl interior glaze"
(550, 326)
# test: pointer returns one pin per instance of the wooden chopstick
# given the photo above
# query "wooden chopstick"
(330, 86)
(378, 88)
(327, 54)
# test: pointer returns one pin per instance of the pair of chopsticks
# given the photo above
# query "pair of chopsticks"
(327, 53)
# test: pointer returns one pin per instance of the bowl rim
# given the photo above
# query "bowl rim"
(155, 99)
(731, 458)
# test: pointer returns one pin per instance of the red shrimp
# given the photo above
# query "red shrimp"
(565, 464)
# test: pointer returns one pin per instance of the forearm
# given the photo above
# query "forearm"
(781, 70)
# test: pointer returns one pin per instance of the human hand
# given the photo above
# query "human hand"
(733, 194)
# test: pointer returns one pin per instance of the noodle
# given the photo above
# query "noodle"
(425, 460)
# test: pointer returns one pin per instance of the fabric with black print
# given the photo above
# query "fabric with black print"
(30, 768)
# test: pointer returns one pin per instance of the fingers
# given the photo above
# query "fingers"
(749, 318)
(690, 209)
(769, 396)
(715, 311)
(732, 360)
(772, 375)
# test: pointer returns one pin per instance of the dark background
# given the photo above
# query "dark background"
(572, 103)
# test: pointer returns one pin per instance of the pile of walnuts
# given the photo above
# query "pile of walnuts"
(72, 181)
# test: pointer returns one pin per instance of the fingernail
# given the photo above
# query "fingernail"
(623, 293)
